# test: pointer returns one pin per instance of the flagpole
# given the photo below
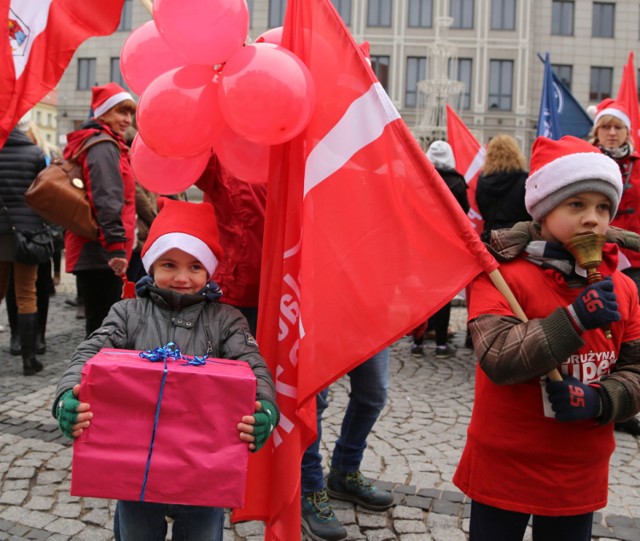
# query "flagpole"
(147, 4)
(499, 281)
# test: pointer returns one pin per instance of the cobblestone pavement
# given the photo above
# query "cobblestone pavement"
(413, 450)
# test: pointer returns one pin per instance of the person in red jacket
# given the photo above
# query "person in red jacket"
(534, 446)
(611, 133)
(240, 208)
(99, 265)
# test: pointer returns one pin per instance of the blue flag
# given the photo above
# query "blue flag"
(566, 117)
(548, 119)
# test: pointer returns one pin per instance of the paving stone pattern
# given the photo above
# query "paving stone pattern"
(413, 450)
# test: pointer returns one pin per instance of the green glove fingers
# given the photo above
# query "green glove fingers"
(266, 421)
(67, 413)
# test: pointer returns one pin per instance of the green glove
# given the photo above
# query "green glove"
(67, 413)
(266, 421)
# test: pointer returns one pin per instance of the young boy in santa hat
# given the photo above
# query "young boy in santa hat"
(534, 446)
(177, 303)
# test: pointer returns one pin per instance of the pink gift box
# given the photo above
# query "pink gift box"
(197, 457)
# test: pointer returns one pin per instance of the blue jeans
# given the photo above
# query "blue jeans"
(145, 521)
(368, 396)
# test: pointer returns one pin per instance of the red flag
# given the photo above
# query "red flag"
(628, 95)
(38, 42)
(363, 241)
(469, 155)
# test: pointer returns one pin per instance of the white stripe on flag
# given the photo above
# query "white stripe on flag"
(475, 165)
(34, 16)
(361, 124)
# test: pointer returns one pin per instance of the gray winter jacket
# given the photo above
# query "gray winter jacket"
(194, 323)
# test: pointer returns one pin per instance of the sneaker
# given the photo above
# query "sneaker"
(444, 352)
(355, 487)
(417, 350)
(319, 521)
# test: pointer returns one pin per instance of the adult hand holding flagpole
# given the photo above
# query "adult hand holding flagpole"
(502, 286)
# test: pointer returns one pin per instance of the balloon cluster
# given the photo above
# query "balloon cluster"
(204, 90)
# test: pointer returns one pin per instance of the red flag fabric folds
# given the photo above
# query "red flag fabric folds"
(363, 241)
(469, 155)
(628, 95)
(38, 42)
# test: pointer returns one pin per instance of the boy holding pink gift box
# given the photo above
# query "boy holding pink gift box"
(177, 303)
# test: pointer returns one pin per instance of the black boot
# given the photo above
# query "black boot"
(630, 426)
(27, 329)
(41, 345)
(14, 344)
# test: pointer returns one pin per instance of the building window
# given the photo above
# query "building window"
(343, 7)
(276, 12)
(562, 18)
(564, 73)
(600, 84)
(462, 13)
(115, 73)
(462, 73)
(503, 14)
(125, 18)
(86, 73)
(500, 84)
(379, 13)
(416, 71)
(39, 118)
(602, 22)
(380, 66)
(420, 14)
(49, 119)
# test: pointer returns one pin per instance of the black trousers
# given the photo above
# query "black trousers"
(492, 524)
(100, 289)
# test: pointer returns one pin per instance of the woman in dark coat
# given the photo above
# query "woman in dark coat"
(20, 162)
(441, 155)
(500, 189)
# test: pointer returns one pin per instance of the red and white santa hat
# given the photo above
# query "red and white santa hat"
(107, 96)
(613, 108)
(191, 227)
(561, 169)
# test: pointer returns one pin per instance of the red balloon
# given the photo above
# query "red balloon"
(178, 115)
(273, 35)
(204, 31)
(243, 159)
(266, 94)
(165, 175)
(145, 56)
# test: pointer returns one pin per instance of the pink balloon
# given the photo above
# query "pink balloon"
(165, 175)
(273, 35)
(243, 159)
(178, 115)
(145, 56)
(204, 31)
(266, 94)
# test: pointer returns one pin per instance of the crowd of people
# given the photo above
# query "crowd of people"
(200, 262)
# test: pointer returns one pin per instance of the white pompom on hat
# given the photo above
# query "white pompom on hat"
(613, 108)
(107, 96)
(561, 169)
(190, 227)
